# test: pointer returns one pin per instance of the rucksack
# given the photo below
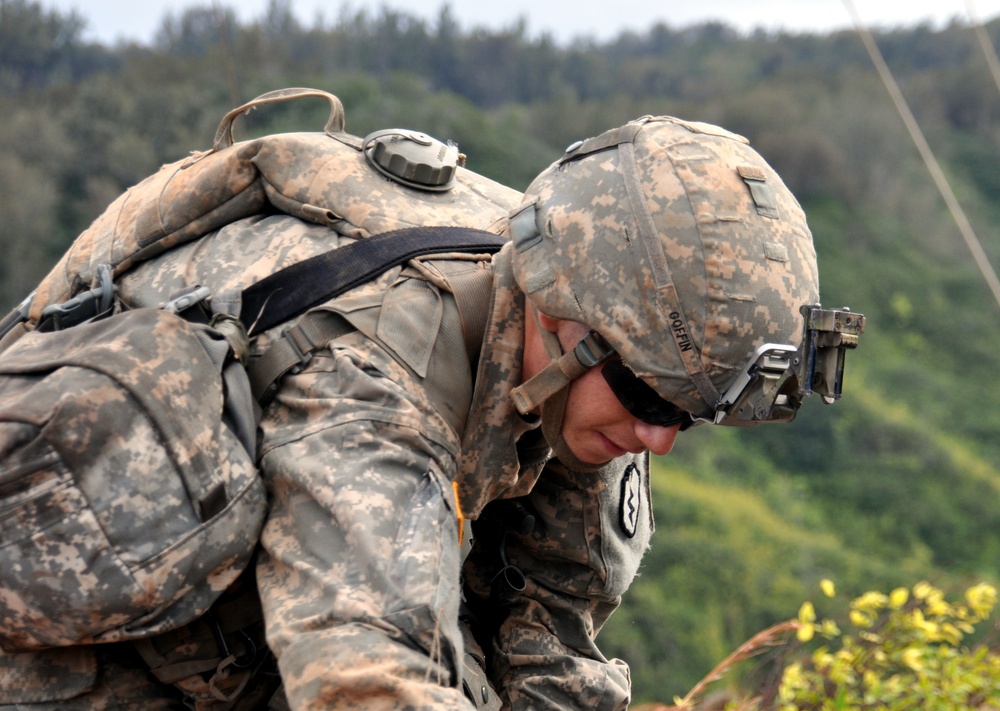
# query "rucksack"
(389, 180)
(129, 493)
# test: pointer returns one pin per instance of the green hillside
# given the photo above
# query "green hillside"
(896, 483)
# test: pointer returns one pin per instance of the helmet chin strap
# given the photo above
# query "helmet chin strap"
(550, 387)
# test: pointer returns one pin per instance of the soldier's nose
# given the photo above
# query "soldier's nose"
(658, 440)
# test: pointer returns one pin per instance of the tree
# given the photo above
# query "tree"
(39, 48)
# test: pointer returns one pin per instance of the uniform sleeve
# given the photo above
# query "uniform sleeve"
(590, 533)
(359, 569)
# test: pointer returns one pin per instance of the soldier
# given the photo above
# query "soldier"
(645, 270)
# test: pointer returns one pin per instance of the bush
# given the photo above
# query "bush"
(886, 652)
(897, 651)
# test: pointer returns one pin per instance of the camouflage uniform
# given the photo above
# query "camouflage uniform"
(360, 570)
(360, 564)
(359, 567)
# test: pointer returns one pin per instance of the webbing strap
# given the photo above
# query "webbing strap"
(296, 289)
(551, 379)
(473, 291)
(666, 289)
(293, 350)
(608, 139)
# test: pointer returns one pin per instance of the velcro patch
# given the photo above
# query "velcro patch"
(775, 252)
(631, 496)
(760, 191)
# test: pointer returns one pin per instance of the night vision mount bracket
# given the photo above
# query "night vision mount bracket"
(776, 379)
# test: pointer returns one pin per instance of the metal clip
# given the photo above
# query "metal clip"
(776, 379)
(243, 661)
(758, 394)
(829, 334)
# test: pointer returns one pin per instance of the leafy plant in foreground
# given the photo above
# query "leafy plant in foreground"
(902, 650)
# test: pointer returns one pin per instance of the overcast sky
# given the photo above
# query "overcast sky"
(111, 20)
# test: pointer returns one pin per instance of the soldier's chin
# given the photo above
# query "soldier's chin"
(595, 449)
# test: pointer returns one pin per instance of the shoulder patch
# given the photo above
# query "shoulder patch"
(631, 495)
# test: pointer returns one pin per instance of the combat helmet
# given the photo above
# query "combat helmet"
(689, 258)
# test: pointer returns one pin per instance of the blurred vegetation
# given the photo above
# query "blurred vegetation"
(908, 649)
(896, 483)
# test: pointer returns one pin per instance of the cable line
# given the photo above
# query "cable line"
(985, 43)
(968, 234)
(229, 64)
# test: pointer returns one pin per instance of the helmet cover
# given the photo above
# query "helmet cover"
(677, 243)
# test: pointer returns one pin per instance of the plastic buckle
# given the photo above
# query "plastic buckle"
(593, 350)
(83, 307)
(301, 345)
(181, 303)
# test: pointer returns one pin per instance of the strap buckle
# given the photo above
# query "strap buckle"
(593, 349)
(83, 307)
(186, 300)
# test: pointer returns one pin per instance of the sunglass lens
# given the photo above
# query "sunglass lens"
(641, 401)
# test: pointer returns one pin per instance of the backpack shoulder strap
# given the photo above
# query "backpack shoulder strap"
(298, 288)
(473, 292)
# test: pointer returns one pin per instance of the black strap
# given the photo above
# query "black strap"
(296, 289)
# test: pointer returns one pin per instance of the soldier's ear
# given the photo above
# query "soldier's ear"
(549, 323)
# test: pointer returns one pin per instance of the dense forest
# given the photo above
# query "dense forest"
(897, 483)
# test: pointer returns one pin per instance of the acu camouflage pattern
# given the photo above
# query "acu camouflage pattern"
(99, 677)
(359, 567)
(128, 506)
(577, 562)
(322, 178)
(705, 256)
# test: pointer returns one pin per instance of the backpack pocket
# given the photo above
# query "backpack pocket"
(127, 503)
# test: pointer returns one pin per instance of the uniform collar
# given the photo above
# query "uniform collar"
(489, 467)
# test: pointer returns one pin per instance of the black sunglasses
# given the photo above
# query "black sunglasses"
(641, 401)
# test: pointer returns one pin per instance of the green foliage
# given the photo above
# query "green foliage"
(909, 649)
(896, 651)
(40, 48)
(896, 482)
